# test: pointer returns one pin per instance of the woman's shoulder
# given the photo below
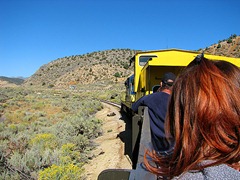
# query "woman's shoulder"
(214, 172)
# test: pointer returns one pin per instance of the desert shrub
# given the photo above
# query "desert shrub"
(83, 144)
(2, 126)
(70, 154)
(3, 146)
(77, 130)
(14, 117)
(8, 175)
(21, 127)
(229, 40)
(6, 133)
(38, 105)
(34, 160)
(37, 134)
(13, 128)
(117, 74)
(103, 96)
(25, 163)
(17, 161)
(18, 143)
(50, 86)
(44, 141)
(62, 172)
(68, 149)
(38, 159)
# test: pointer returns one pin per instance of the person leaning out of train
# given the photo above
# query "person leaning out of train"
(157, 106)
(203, 118)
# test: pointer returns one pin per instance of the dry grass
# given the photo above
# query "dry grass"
(44, 115)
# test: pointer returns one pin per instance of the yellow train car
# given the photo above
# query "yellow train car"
(149, 67)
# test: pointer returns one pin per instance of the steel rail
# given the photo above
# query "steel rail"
(111, 103)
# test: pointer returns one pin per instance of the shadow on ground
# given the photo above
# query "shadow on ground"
(126, 138)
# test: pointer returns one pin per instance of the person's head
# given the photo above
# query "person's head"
(203, 118)
(167, 81)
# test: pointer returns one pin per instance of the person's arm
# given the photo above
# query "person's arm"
(138, 103)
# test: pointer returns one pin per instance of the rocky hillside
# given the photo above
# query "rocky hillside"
(227, 47)
(106, 66)
(109, 65)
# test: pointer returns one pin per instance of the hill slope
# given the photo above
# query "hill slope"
(107, 66)
(84, 69)
(228, 47)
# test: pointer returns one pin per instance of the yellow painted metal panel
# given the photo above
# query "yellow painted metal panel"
(183, 58)
(171, 57)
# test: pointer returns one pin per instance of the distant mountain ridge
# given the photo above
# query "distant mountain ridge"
(106, 66)
(8, 81)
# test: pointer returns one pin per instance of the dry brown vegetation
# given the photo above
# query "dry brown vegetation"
(47, 133)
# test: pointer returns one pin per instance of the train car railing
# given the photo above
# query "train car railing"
(145, 143)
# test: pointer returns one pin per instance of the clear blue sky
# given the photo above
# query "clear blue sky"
(36, 32)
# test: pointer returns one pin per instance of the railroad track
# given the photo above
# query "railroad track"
(111, 103)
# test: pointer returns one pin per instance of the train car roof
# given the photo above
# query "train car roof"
(178, 57)
(162, 50)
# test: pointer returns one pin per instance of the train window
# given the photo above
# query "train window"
(144, 59)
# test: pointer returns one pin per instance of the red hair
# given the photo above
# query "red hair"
(203, 117)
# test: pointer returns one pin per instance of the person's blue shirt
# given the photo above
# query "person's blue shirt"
(157, 104)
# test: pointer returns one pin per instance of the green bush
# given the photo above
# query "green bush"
(229, 40)
(117, 74)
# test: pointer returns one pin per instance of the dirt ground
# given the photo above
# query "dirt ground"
(110, 151)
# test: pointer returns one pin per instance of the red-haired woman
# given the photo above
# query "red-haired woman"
(203, 118)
